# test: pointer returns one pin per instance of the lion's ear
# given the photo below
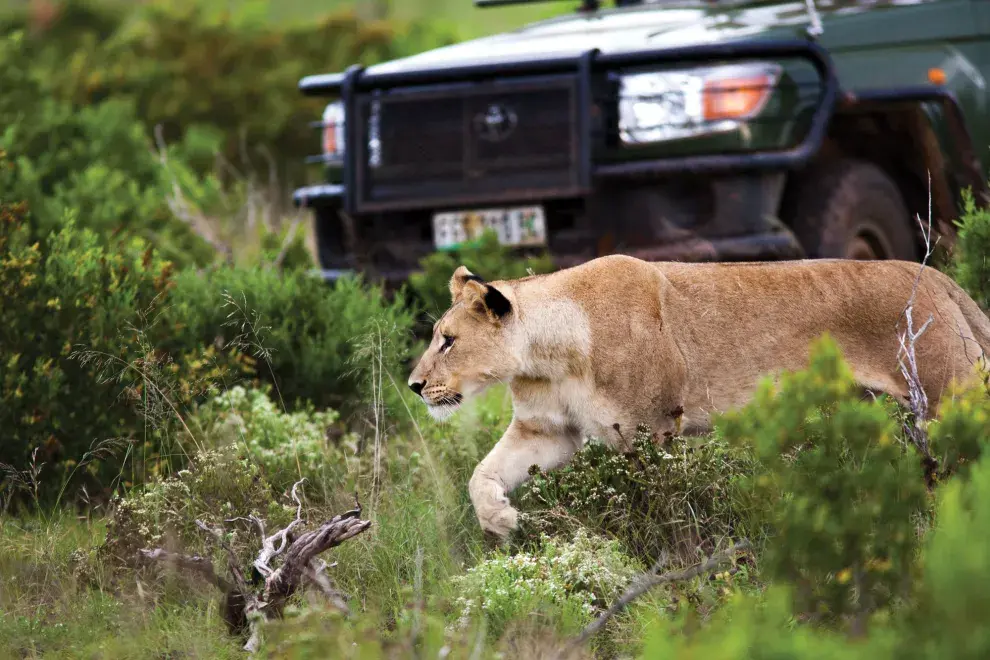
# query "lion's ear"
(485, 301)
(461, 277)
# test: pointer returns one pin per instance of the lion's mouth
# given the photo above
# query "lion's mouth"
(443, 408)
(442, 412)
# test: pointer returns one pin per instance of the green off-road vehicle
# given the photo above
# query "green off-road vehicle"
(667, 130)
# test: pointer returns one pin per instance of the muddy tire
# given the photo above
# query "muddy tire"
(851, 209)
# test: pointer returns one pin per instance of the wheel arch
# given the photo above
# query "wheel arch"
(908, 135)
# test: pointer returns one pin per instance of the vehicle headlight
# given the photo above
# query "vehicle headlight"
(669, 105)
(333, 133)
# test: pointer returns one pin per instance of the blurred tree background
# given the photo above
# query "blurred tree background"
(165, 118)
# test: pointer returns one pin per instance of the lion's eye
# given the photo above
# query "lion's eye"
(448, 341)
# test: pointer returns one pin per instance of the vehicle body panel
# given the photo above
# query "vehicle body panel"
(884, 54)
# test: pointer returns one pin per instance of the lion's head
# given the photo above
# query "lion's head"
(469, 350)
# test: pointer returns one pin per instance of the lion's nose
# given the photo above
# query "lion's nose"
(417, 387)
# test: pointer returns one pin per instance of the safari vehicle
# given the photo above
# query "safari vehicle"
(671, 129)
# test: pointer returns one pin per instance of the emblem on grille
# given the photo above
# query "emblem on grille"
(496, 123)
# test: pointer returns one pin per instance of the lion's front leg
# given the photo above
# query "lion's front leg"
(507, 466)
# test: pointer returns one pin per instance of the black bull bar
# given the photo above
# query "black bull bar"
(357, 79)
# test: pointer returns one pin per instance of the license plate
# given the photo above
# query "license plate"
(522, 226)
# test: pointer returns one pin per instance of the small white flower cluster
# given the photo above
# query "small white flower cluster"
(277, 440)
(218, 484)
(583, 575)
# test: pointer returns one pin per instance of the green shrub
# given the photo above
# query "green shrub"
(565, 582)
(759, 629)
(317, 342)
(288, 445)
(230, 72)
(971, 254)
(486, 258)
(217, 485)
(839, 491)
(75, 360)
(93, 163)
(106, 342)
(676, 496)
(962, 429)
(946, 621)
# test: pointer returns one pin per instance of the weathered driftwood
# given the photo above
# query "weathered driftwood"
(245, 607)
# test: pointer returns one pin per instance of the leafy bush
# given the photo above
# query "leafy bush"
(838, 490)
(673, 496)
(94, 164)
(100, 343)
(962, 430)
(971, 255)
(487, 258)
(758, 629)
(232, 74)
(75, 357)
(942, 619)
(288, 445)
(217, 485)
(946, 621)
(564, 581)
(313, 341)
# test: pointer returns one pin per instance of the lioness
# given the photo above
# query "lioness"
(596, 349)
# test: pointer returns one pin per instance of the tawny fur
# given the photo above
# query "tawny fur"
(618, 341)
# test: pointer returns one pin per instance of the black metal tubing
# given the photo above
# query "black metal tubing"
(482, 4)
(332, 83)
(584, 101)
(356, 79)
(352, 136)
(956, 120)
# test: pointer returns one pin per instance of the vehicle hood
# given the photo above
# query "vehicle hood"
(666, 25)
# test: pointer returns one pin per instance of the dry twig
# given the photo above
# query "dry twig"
(646, 582)
(245, 607)
(916, 430)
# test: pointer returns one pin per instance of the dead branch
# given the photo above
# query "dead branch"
(646, 582)
(917, 429)
(190, 563)
(246, 607)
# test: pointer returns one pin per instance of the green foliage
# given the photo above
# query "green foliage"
(328, 344)
(839, 490)
(74, 360)
(217, 485)
(759, 629)
(962, 430)
(566, 582)
(101, 343)
(288, 445)
(93, 163)
(487, 258)
(971, 254)
(667, 495)
(233, 74)
(946, 621)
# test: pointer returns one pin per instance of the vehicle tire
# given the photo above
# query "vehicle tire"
(851, 209)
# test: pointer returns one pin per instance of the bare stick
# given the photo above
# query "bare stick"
(916, 431)
(245, 607)
(192, 563)
(649, 580)
(242, 584)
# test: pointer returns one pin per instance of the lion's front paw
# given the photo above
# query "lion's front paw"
(501, 523)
